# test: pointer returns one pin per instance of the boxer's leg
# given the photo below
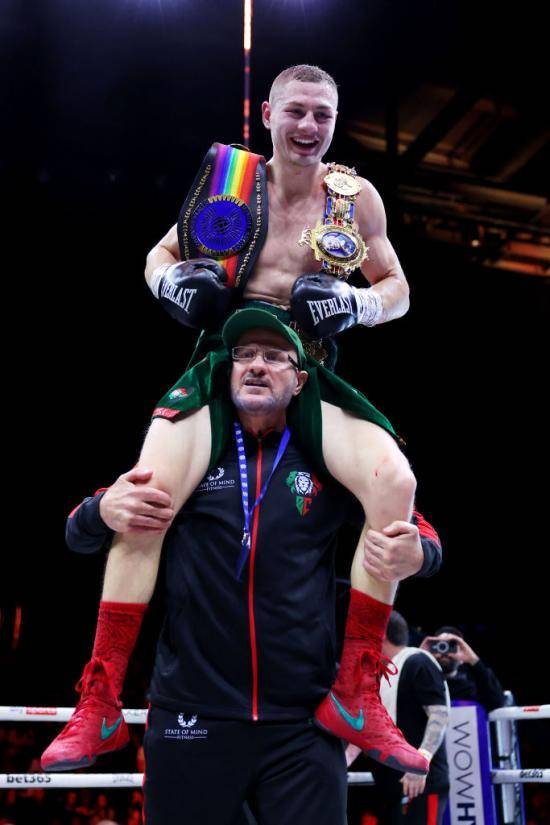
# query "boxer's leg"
(178, 453)
(365, 459)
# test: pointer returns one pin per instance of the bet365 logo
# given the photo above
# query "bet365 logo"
(305, 487)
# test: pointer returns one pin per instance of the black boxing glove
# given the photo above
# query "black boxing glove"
(323, 306)
(193, 292)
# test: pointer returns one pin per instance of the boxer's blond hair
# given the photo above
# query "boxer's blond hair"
(304, 73)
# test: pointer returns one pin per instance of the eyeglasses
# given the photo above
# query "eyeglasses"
(277, 358)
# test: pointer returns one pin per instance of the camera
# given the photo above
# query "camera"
(442, 646)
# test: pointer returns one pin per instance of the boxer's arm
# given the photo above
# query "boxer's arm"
(382, 270)
(193, 292)
(324, 306)
(85, 531)
(166, 251)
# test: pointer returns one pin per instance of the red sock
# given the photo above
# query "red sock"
(367, 618)
(118, 626)
(365, 627)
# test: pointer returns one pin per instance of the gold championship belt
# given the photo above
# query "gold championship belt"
(315, 349)
(336, 240)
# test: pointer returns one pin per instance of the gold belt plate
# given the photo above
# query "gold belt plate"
(341, 247)
(343, 184)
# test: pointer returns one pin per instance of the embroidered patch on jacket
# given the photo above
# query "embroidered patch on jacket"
(164, 412)
(180, 392)
(305, 487)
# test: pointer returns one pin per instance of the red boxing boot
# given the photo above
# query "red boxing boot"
(96, 727)
(353, 710)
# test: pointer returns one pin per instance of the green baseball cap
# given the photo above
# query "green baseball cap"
(251, 318)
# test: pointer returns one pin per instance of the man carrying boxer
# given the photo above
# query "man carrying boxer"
(243, 661)
(344, 435)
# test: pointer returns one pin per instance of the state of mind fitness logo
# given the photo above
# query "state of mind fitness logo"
(305, 487)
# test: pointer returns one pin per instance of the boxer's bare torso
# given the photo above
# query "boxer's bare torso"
(282, 260)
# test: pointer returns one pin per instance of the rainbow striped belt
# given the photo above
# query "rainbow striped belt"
(225, 212)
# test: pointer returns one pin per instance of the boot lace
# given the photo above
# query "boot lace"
(386, 668)
(93, 673)
(370, 662)
(383, 667)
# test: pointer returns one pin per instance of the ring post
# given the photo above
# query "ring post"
(471, 794)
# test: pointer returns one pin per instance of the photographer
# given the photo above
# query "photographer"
(466, 675)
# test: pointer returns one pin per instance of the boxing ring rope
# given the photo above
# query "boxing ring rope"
(503, 717)
(520, 714)
(133, 716)
(138, 716)
(32, 781)
(525, 775)
(24, 781)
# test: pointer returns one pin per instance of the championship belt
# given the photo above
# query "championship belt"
(336, 240)
(225, 213)
(315, 349)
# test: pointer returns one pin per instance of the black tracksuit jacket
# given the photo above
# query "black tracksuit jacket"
(263, 647)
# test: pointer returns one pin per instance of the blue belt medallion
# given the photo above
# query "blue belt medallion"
(221, 226)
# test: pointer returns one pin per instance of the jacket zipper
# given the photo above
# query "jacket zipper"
(251, 617)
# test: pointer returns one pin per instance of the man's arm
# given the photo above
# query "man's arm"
(431, 547)
(128, 506)
(489, 689)
(491, 694)
(382, 269)
(403, 549)
(438, 719)
(427, 684)
(85, 530)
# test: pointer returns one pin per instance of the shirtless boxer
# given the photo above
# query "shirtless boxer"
(361, 454)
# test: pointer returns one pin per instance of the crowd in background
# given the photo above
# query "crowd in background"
(20, 749)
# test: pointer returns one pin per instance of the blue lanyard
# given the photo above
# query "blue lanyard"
(243, 470)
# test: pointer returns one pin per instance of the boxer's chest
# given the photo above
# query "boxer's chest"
(282, 259)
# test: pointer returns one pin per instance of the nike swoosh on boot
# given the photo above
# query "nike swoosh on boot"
(108, 730)
(356, 722)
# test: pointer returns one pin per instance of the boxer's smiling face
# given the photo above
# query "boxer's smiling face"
(301, 118)
(259, 387)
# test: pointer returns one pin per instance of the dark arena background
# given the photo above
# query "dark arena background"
(108, 108)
